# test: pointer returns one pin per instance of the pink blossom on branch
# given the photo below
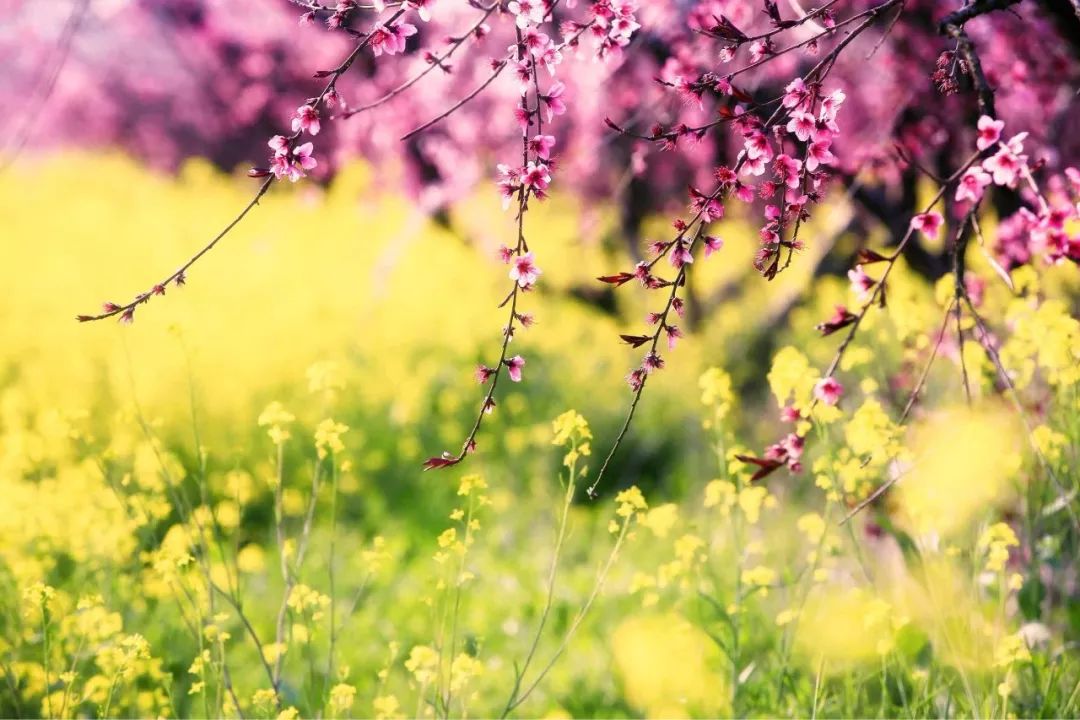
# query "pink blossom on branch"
(972, 184)
(828, 390)
(306, 120)
(524, 271)
(929, 224)
(989, 132)
(514, 366)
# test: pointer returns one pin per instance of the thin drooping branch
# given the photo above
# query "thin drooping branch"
(436, 61)
(817, 73)
(178, 277)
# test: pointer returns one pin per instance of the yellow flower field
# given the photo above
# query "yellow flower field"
(219, 510)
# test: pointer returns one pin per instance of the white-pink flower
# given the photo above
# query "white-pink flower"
(680, 255)
(509, 182)
(526, 12)
(536, 176)
(817, 153)
(550, 59)
(753, 166)
(757, 145)
(787, 170)
(758, 50)
(801, 125)
(391, 40)
(292, 165)
(306, 120)
(524, 270)
(279, 144)
(553, 102)
(929, 224)
(989, 131)
(535, 41)
(541, 145)
(712, 244)
(972, 184)
(1004, 166)
(795, 94)
(828, 390)
(861, 283)
(830, 105)
(514, 366)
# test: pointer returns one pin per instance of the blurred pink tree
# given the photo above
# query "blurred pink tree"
(762, 104)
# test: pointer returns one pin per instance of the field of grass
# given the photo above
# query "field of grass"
(219, 511)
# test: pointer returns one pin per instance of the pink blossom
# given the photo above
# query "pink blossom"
(680, 255)
(817, 153)
(523, 75)
(795, 94)
(1016, 144)
(989, 132)
(306, 120)
(550, 59)
(801, 125)
(541, 145)
(514, 366)
(293, 166)
(652, 361)
(535, 41)
(484, 373)
(391, 40)
(623, 27)
(708, 207)
(828, 390)
(793, 445)
(757, 145)
(752, 166)
(536, 176)
(830, 105)
(1004, 166)
(526, 12)
(712, 244)
(509, 181)
(972, 184)
(673, 334)
(523, 117)
(279, 144)
(787, 169)
(725, 175)
(524, 270)
(758, 50)
(929, 224)
(553, 103)
(861, 283)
